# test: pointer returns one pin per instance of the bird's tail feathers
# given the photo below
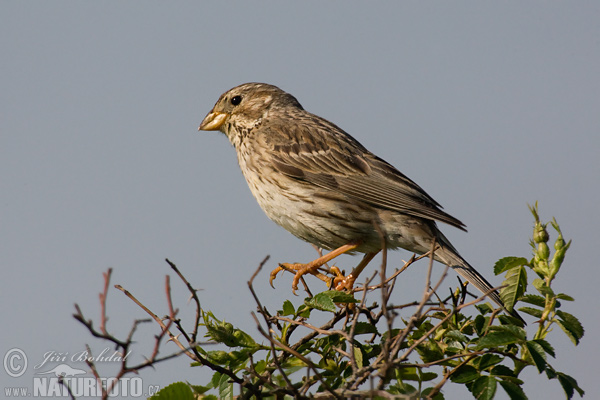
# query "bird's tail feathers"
(449, 256)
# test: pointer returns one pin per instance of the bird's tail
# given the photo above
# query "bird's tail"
(448, 255)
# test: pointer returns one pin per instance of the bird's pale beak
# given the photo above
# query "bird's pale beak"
(213, 121)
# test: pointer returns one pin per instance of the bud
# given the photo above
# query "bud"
(543, 251)
(560, 242)
(540, 234)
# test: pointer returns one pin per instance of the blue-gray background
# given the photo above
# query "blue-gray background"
(488, 107)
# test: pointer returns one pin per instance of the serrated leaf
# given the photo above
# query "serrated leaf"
(457, 335)
(514, 391)
(532, 311)
(325, 301)
(214, 381)
(546, 346)
(571, 325)
(569, 383)
(534, 299)
(404, 389)
(177, 390)
(288, 308)
(322, 303)
(260, 366)
(363, 327)
(430, 352)
(199, 389)
(425, 394)
(484, 308)
(487, 360)
(515, 284)
(514, 330)
(564, 297)
(303, 311)
(507, 263)
(464, 374)
(225, 387)
(407, 374)
(502, 371)
(540, 285)
(538, 354)
(484, 388)
(496, 339)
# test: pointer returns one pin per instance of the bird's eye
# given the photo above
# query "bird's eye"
(235, 100)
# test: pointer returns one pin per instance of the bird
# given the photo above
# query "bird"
(319, 183)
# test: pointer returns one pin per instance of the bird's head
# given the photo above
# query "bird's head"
(245, 106)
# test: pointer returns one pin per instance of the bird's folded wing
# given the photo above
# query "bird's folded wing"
(338, 162)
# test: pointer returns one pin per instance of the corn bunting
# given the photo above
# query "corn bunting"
(323, 186)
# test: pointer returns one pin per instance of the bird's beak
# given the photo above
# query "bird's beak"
(213, 121)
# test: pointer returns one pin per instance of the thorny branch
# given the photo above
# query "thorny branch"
(282, 347)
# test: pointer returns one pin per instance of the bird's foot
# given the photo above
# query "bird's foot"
(342, 282)
(312, 268)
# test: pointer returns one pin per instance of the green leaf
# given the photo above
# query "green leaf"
(425, 394)
(242, 339)
(514, 330)
(571, 325)
(260, 366)
(532, 311)
(428, 376)
(457, 335)
(303, 311)
(484, 388)
(464, 374)
(407, 374)
(199, 389)
(564, 297)
(514, 391)
(177, 390)
(502, 371)
(507, 263)
(546, 346)
(225, 387)
(288, 309)
(487, 360)
(430, 352)
(534, 299)
(484, 308)
(325, 301)
(214, 381)
(363, 328)
(358, 356)
(496, 339)
(403, 389)
(541, 286)
(538, 354)
(515, 284)
(568, 383)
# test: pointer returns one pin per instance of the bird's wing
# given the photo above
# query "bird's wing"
(321, 153)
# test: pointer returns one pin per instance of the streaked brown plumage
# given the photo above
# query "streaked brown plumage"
(319, 183)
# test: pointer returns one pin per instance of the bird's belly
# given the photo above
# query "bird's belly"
(318, 216)
(329, 219)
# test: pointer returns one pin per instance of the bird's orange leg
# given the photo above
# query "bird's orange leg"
(341, 282)
(313, 266)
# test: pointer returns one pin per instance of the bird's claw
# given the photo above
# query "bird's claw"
(274, 273)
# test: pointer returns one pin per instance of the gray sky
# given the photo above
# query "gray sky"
(488, 107)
